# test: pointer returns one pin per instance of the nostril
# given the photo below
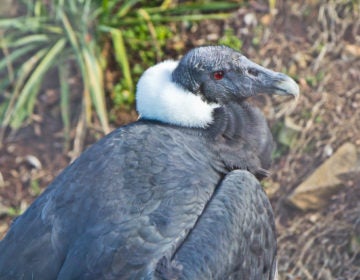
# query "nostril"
(253, 72)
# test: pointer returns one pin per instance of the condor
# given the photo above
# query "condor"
(174, 195)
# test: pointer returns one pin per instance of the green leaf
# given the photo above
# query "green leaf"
(30, 39)
(65, 102)
(190, 7)
(95, 81)
(26, 94)
(15, 55)
(22, 75)
(126, 7)
(26, 110)
(121, 56)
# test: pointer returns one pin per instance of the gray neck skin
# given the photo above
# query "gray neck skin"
(239, 137)
(242, 138)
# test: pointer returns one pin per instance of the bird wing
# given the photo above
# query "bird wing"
(132, 200)
(126, 202)
(234, 237)
(161, 205)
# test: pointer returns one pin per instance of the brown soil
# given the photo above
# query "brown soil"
(318, 43)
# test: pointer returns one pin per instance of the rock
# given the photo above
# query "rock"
(353, 50)
(316, 190)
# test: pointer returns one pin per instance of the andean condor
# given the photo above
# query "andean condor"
(174, 195)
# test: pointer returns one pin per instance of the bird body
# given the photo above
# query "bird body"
(161, 198)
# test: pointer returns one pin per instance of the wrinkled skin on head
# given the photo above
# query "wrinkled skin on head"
(222, 75)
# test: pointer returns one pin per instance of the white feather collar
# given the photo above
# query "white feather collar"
(159, 98)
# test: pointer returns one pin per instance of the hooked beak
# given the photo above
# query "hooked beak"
(285, 86)
(264, 80)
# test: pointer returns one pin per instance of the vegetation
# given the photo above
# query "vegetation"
(55, 35)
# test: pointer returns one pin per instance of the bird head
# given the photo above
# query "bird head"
(221, 75)
(186, 92)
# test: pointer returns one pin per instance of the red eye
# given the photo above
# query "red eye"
(218, 75)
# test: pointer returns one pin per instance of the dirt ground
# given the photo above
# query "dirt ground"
(316, 42)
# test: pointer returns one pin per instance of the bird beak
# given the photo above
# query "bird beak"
(286, 86)
(263, 80)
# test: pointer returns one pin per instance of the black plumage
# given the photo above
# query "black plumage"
(158, 200)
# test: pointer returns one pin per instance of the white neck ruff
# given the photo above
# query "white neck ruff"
(159, 98)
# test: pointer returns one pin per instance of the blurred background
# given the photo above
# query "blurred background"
(68, 74)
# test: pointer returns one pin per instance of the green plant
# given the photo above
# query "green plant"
(35, 187)
(14, 212)
(141, 29)
(231, 40)
(49, 37)
(51, 34)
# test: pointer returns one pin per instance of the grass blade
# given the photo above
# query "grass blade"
(91, 74)
(22, 75)
(121, 57)
(9, 59)
(30, 39)
(26, 110)
(13, 23)
(46, 62)
(70, 33)
(15, 55)
(65, 103)
(95, 80)
(143, 13)
(126, 7)
(24, 24)
(190, 7)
